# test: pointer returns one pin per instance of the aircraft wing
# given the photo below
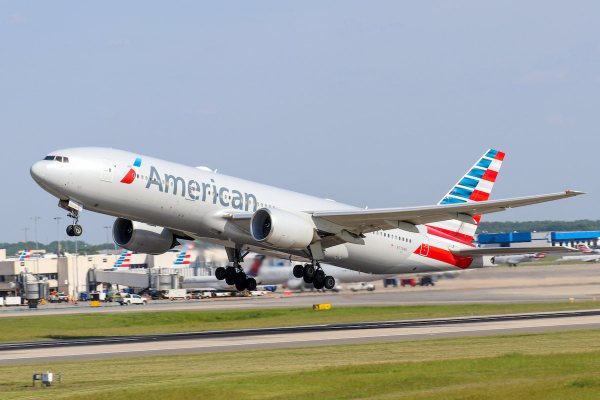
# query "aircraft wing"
(363, 221)
(505, 251)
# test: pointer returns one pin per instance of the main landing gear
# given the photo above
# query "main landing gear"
(235, 275)
(313, 273)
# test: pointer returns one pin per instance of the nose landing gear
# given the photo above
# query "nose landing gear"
(74, 209)
(74, 229)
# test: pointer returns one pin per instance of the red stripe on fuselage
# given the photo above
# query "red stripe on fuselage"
(444, 255)
(450, 235)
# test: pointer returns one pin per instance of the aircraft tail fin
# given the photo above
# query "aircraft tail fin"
(25, 255)
(474, 186)
(124, 260)
(184, 256)
(254, 269)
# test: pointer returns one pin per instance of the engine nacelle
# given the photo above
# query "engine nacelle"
(142, 238)
(282, 229)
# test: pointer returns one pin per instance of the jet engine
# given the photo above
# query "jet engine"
(142, 238)
(282, 229)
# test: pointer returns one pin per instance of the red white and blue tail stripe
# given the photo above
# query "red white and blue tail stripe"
(25, 255)
(124, 260)
(476, 185)
(183, 258)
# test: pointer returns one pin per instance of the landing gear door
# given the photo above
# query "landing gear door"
(424, 249)
(107, 171)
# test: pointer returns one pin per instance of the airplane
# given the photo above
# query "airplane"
(516, 259)
(590, 255)
(157, 203)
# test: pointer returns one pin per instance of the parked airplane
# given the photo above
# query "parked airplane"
(516, 259)
(157, 202)
(589, 255)
(25, 255)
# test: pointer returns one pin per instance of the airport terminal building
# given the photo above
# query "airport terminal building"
(74, 274)
(524, 239)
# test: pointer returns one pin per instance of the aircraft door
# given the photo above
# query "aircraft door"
(424, 248)
(107, 171)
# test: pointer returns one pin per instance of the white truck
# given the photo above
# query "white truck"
(129, 299)
(362, 286)
(174, 294)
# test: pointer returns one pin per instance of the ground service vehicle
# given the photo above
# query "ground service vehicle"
(362, 286)
(129, 299)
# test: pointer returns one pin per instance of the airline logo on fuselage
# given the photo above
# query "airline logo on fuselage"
(131, 174)
(194, 190)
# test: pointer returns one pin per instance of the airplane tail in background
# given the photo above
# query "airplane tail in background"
(183, 258)
(584, 249)
(476, 185)
(24, 255)
(256, 265)
(124, 260)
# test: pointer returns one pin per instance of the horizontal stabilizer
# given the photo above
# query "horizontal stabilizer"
(505, 251)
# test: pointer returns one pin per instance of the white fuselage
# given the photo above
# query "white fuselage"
(193, 201)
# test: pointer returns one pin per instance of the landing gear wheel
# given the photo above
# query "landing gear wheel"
(309, 273)
(319, 276)
(77, 230)
(240, 286)
(318, 285)
(220, 273)
(230, 275)
(251, 284)
(298, 271)
(70, 231)
(329, 282)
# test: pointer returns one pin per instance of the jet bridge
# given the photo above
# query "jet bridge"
(143, 278)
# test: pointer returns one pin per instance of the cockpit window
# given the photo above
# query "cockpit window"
(57, 158)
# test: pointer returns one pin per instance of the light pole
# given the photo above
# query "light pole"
(35, 237)
(108, 228)
(25, 229)
(57, 219)
(107, 233)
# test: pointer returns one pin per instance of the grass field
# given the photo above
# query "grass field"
(563, 365)
(131, 323)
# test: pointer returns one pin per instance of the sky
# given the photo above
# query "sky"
(378, 103)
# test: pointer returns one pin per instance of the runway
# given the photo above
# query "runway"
(491, 285)
(317, 335)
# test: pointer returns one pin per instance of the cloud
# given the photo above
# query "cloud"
(555, 119)
(118, 42)
(17, 19)
(537, 77)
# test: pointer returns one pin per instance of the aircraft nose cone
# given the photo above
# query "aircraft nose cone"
(38, 171)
